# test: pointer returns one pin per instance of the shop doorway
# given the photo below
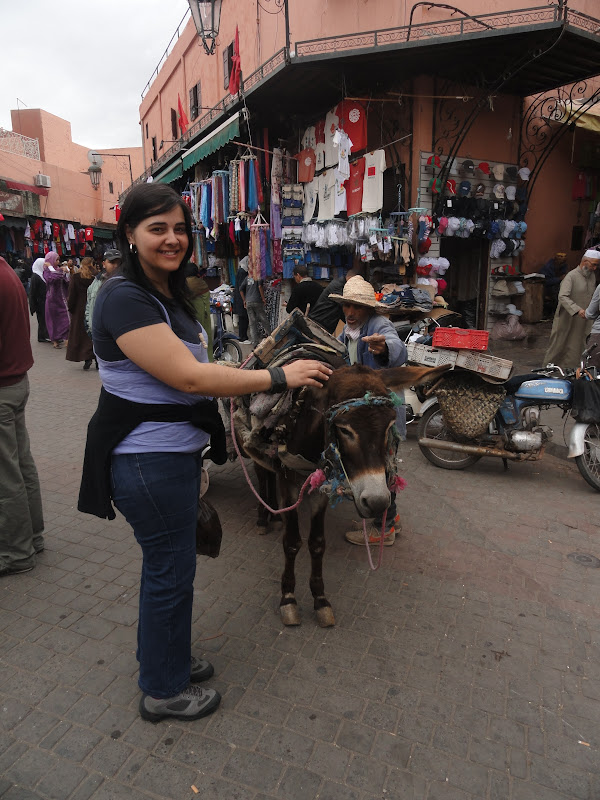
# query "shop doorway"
(467, 278)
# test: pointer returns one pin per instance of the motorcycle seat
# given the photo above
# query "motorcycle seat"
(512, 384)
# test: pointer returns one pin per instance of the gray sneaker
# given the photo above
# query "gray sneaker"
(201, 670)
(192, 703)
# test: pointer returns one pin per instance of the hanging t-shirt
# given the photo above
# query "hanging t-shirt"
(306, 165)
(55, 231)
(320, 156)
(353, 119)
(373, 181)
(320, 132)
(342, 142)
(331, 125)
(308, 138)
(340, 192)
(89, 234)
(310, 199)
(354, 187)
(326, 195)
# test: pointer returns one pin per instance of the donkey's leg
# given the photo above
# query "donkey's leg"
(288, 607)
(262, 475)
(316, 546)
(273, 520)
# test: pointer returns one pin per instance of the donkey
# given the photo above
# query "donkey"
(354, 413)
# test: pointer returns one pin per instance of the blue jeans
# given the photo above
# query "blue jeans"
(157, 493)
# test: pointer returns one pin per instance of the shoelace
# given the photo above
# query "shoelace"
(193, 693)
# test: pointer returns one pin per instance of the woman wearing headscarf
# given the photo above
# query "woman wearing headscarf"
(57, 314)
(37, 299)
(79, 346)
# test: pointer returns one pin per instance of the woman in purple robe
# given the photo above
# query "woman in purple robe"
(57, 314)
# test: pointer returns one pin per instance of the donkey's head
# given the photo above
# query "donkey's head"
(360, 425)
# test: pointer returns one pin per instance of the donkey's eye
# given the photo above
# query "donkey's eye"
(348, 433)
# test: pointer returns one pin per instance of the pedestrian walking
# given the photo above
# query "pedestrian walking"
(79, 346)
(237, 305)
(372, 341)
(144, 452)
(37, 299)
(57, 314)
(110, 264)
(253, 297)
(571, 327)
(21, 516)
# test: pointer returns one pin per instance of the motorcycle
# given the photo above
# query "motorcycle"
(226, 346)
(516, 432)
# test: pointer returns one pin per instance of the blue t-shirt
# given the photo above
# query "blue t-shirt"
(121, 306)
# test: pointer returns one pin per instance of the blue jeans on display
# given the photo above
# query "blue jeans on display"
(157, 493)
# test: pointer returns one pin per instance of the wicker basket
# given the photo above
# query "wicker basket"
(468, 404)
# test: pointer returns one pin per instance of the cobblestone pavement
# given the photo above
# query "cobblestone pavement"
(467, 667)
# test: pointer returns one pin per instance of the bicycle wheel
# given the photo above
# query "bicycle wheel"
(589, 463)
(231, 351)
(432, 426)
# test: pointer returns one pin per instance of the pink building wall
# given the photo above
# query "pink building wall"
(71, 196)
(494, 135)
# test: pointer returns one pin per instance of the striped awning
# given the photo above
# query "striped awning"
(227, 131)
(170, 174)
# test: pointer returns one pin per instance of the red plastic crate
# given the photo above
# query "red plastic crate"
(460, 339)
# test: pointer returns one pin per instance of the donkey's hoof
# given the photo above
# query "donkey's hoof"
(325, 617)
(290, 614)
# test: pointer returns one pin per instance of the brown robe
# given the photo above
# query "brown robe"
(79, 346)
(569, 330)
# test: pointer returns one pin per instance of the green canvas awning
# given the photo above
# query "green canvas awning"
(227, 131)
(104, 233)
(171, 174)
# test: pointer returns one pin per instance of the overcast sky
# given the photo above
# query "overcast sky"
(85, 61)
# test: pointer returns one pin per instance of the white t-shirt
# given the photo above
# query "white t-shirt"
(331, 125)
(375, 166)
(342, 142)
(320, 157)
(310, 199)
(340, 193)
(309, 139)
(326, 195)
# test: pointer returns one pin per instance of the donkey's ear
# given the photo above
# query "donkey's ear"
(401, 377)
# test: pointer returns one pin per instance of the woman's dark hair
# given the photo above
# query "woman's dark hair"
(148, 200)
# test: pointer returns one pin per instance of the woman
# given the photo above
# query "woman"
(79, 346)
(149, 350)
(57, 314)
(37, 299)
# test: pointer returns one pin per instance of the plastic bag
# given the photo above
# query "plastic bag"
(586, 401)
(208, 530)
(509, 329)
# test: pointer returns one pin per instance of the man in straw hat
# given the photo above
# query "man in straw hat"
(372, 341)
(570, 327)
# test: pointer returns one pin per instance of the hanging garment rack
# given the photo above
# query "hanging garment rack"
(262, 149)
(260, 220)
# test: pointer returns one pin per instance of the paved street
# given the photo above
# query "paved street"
(467, 667)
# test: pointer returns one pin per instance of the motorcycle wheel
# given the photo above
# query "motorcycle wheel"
(231, 352)
(589, 463)
(432, 426)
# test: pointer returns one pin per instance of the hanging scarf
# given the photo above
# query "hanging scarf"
(252, 186)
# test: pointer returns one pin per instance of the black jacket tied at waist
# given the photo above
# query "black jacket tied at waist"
(114, 419)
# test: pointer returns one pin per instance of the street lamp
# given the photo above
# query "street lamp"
(95, 171)
(207, 18)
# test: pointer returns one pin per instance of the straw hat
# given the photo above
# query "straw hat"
(358, 292)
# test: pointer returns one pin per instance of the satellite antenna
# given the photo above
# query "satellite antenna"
(95, 159)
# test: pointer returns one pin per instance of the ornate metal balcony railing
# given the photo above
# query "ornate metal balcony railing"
(225, 105)
(449, 28)
(11, 142)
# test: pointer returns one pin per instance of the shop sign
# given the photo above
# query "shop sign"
(11, 202)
